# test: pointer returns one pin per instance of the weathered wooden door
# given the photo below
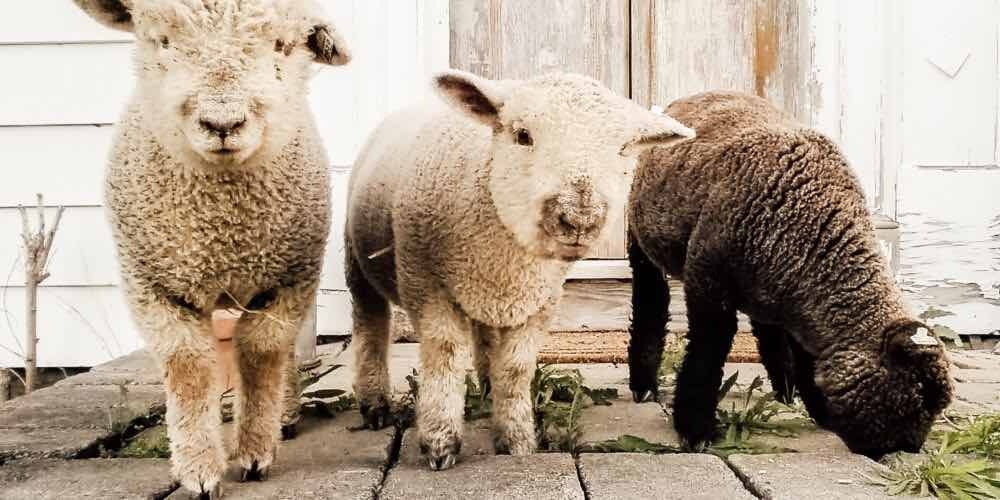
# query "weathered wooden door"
(650, 50)
(949, 177)
(513, 39)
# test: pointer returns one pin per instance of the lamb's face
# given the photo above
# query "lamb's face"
(221, 82)
(882, 402)
(563, 153)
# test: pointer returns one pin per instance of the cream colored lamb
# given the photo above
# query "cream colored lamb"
(468, 213)
(218, 196)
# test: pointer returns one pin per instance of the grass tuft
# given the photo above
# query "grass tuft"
(943, 475)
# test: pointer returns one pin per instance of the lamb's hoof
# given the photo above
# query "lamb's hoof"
(254, 473)
(214, 494)
(441, 463)
(696, 433)
(695, 446)
(444, 455)
(505, 446)
(643, 395)
(376, 416)
(288, 432)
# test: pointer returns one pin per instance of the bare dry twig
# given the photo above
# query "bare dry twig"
(37, 248)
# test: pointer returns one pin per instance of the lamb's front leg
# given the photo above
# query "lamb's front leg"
(711, 328)
(512, 367)
(183, 344)
(265, 338)
(444, 339)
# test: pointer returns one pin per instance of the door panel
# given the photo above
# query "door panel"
(512, 39)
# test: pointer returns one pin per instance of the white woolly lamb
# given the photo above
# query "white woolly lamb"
(468, 214)
(218, 196)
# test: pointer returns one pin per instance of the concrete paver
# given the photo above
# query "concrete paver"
(538, 476)
(138, 367)
(98, 478)
(60, 421)
(403, 358)
(326, 460)
(646, 420)
(625, 476)
(479, 473)
(830, 476)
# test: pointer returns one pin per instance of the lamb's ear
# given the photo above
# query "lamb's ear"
(111, 13)
(909, 339)
(477, 97)
(656, 130)
(328, 46)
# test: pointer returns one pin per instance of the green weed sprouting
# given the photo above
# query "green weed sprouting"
(943, 475)
(738, 425)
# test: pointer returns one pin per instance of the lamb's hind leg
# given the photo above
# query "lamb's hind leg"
(776, 356)
(650, 305)
(484, 340)
(181, 339)
(265, 337)
(370, 340)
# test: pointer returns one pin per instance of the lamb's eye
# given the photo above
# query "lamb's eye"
(523, 137)
(164, 42)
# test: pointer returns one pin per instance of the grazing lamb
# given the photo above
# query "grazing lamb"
(468, 213)
(218, 196)
(762, 215)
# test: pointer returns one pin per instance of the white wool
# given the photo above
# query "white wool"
(483, 201)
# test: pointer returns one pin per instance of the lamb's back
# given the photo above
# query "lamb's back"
(776, 201)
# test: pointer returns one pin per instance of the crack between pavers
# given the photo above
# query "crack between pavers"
(745, 479)
(118, 440)
(169, 491)
(579, 476)
(393, 459)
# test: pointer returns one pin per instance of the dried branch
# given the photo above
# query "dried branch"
(37, 248)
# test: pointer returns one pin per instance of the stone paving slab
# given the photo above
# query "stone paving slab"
(981, 397)
(479, 473)
(124, 479)
(645, 420)
(326, 460)
(403, 358)
(794, 476)
(540, 476)
(61, 421)
(626, 476)
(139, 367)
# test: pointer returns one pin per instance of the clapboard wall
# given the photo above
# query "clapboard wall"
(65, 81)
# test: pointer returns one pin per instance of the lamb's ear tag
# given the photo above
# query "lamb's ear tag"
(923, 337)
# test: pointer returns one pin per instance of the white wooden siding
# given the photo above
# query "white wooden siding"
(66, 81)
(949, 180)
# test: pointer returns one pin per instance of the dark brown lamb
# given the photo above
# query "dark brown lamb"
(762, 215)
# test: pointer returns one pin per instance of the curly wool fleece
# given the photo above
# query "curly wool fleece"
(482, 201)
(218, 194)
(761, 215)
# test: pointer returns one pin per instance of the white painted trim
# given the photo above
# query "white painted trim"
(891, 133)
(600, 269)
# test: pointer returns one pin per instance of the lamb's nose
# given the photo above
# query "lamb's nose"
(222, 128)
(576, 224)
